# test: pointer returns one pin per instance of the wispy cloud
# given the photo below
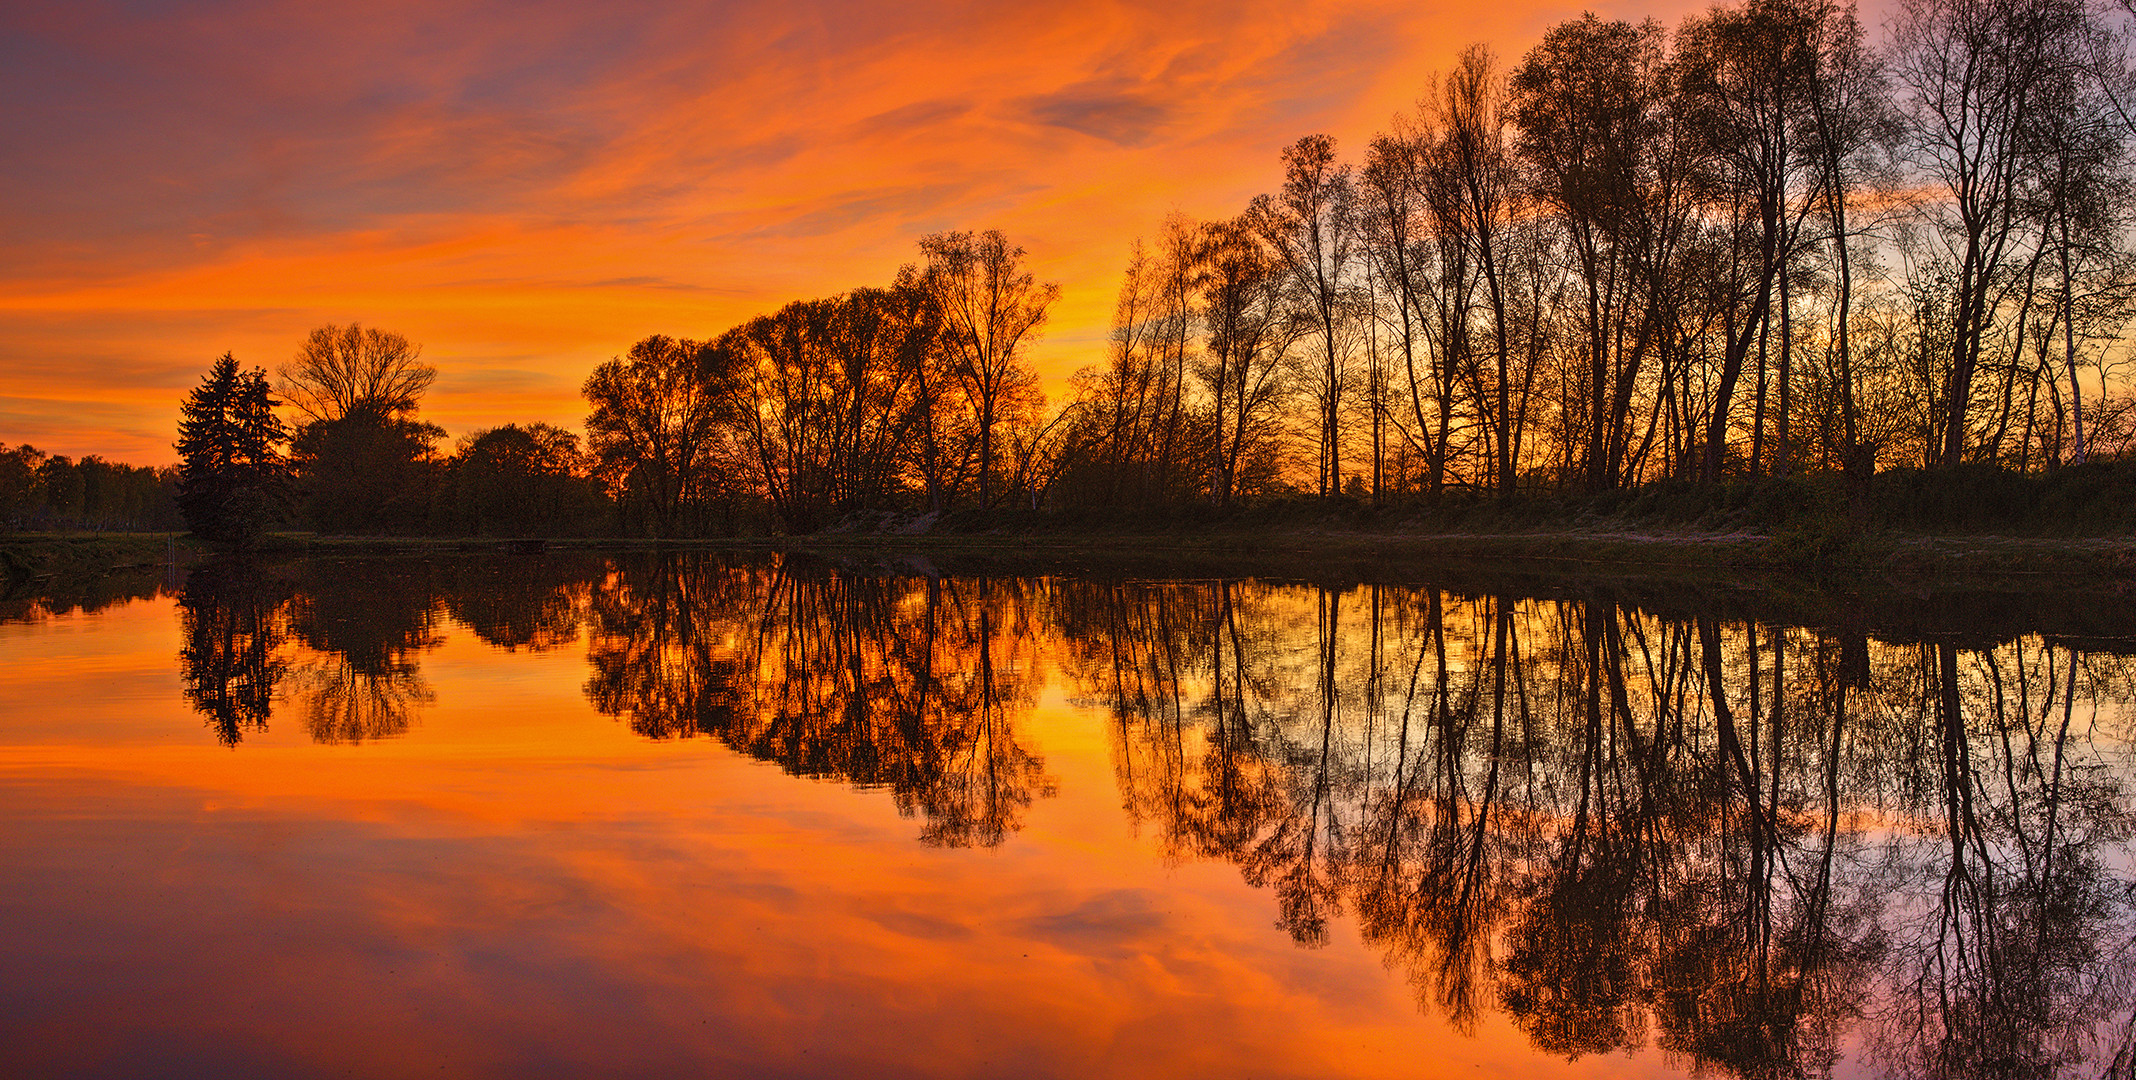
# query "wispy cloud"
(530, 186)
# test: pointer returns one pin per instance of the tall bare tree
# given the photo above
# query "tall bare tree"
(991, 305)
(1980, 77)
(1310, 226)
(340, 369)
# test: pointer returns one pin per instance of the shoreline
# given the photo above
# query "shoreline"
(2079, 590)
(1285, 552)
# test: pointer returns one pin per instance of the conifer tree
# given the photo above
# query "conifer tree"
(233, 479)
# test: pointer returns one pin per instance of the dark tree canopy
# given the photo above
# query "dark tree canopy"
(368, 471)
(234, 482)
(520, 480)
(655, 430)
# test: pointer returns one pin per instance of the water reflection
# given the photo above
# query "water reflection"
(1736, 841)
(341, 642)
(1761, 848)
(233, 659)
(913, 685)
(364, 623)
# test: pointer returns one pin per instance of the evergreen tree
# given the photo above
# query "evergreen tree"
(233, 481)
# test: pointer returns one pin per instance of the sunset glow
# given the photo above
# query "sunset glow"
(527, 189)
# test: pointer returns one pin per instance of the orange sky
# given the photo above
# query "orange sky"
(527, 188)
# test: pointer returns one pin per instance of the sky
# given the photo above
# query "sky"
(526, 188)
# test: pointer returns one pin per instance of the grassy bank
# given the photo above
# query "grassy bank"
(58, 572)
(2079, 590)
(1774, 528)
(1312, 549)
(38, 556)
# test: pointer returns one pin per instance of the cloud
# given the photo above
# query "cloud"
(1111, 110)
(547, 182)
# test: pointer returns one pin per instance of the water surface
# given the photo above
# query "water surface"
(700, 815)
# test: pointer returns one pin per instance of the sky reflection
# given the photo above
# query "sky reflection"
(702, 815)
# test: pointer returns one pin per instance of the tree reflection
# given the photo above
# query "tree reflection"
(342, 641)
(366, 623)
(1735, 842)
(913, 685)
(527, 602)
(1757, 848)
(231, 615)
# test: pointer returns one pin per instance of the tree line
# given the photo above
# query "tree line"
(45, 492)
(356, 457)
(1755, 247)
(920, 393)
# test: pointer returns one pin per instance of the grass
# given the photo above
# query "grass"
(1977, 521)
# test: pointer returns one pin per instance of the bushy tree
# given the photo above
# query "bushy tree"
(520, 480)
(234, 481)
(655, 432)
(367, 471)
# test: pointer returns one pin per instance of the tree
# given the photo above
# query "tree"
(818, 396)
(1982, 79)
(1850, 115)
(521, 480)
(1251, 326)
(234, 481)
(18, 484)
(990, 305)
(339, 369)
(1311, 227)
(367, 470)
(656, 428)
(1474, 182)
(1745, 75)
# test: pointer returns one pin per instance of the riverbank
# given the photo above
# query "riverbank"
(59, 572)
(1271, 552)
(1899, 588)
(1305, 552)
(42, 556)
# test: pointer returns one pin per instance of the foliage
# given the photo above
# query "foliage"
(233, 481)
(528, 481)
(367, 471)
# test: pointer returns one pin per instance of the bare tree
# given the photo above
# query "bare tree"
(1478, 185)
(340, 369)
(1743, 76)
(1850, 116)
(1311, 228)
(990, 305)
(656, 430)
(1251, 327)
(1981, 77)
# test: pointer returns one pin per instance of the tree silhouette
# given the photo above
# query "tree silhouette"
(233, 482)
(990, 305)
(655, 431)
(340, 369)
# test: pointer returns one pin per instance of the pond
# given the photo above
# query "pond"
(697, 814)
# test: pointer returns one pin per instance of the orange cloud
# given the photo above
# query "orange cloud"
(526, 189)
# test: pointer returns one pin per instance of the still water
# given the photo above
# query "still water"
(703, 815)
